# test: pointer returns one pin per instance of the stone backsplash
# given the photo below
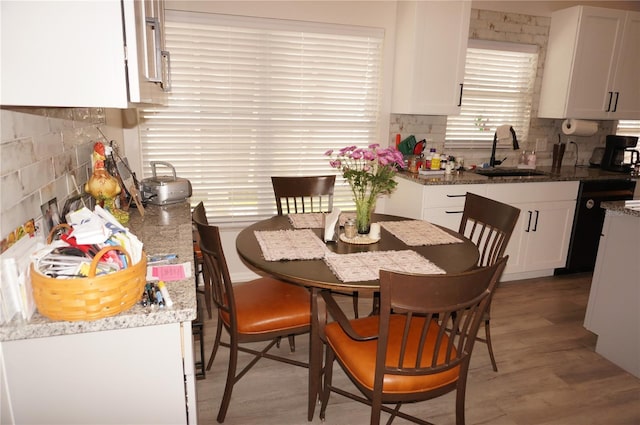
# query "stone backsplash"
(40, 149)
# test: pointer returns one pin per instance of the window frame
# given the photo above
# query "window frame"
(309, 161)
(458, 128)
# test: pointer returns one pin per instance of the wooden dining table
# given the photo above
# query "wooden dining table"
(317, 276)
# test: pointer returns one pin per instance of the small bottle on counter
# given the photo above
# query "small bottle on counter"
(435, 160)
(531, 159)
(443, 162)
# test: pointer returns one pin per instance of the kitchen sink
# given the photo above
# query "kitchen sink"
(508, 172)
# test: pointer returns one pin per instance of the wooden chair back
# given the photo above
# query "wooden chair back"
(199, 213)
(489, 224)
(215, 269)
(425, 336)
(303, 194)
(441, 315)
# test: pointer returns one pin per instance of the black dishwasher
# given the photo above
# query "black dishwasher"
(588, 220)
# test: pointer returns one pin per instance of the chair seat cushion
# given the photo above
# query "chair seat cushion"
(266, 305)
(359, 357)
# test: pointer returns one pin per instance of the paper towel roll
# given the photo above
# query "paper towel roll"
(572, 127)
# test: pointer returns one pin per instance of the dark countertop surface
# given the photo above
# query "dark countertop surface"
(550, 175)
(623, 207)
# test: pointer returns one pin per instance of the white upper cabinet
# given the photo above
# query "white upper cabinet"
(431, 47)
(106, 53)
(592, 65)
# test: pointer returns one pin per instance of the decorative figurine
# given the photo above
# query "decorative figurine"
(103, 186)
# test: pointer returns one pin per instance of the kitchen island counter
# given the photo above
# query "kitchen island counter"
(622, 207)
(613, 310)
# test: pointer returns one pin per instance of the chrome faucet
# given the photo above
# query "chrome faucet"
(493, 161)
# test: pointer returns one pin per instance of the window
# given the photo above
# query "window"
(498, 89)
(628, 128)
(252, 98)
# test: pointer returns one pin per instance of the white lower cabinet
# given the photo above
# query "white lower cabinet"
(613, 311)
(539, 243)
(140, 375)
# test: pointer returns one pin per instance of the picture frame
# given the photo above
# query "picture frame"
(74, 203)
(50, 214)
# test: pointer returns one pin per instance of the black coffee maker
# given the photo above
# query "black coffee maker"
(615, 149)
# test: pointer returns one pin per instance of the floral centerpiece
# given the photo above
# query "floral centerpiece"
(370, 173)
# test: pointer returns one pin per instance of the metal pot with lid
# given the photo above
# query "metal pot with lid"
(164, 190)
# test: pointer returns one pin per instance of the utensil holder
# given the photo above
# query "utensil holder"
(558, 153)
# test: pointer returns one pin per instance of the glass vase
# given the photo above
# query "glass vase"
(364, 209)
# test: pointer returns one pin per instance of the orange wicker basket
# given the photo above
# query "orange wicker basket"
(93, 297)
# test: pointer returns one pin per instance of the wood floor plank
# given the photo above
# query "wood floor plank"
(548, 373)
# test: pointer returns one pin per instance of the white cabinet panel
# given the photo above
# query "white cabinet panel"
(540, 240)
(591, 66)
(613, 311)
(75, 54)
(129, 376)
(431, 47)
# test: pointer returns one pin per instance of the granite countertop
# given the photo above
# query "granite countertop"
(163, 230)
(550, 175)
(621, 207)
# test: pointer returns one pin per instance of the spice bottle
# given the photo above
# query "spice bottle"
(443, 161)
(435, 160)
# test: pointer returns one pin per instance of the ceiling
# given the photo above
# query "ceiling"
(545, 8)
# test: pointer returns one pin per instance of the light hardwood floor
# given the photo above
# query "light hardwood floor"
(548, 371)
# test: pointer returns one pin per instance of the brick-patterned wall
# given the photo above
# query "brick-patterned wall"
(501, 26)
(40, 148)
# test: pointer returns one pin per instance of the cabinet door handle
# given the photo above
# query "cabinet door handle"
(535, 224)
(152, 54)
(610, 99)
(166, 71)
(615, 105)
(456, 196)
(453, 212)
(460, 99)
(529, 222)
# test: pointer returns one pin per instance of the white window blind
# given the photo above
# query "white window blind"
(252, 98)
(498, 89)
(628, 128)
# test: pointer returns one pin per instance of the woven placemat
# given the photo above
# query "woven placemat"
(365, 266)
(315, 220)
(301, 244)
(419, 232)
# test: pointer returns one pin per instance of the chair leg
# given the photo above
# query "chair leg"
(489, 346)
(292, 343)
(460, 399)
(207, 297)
(355, 304)
(231, 379)
(326, 388)
(216, 344)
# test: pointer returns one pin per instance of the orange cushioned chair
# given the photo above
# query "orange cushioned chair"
(263, 309)
(488, 224)
(420, 345)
